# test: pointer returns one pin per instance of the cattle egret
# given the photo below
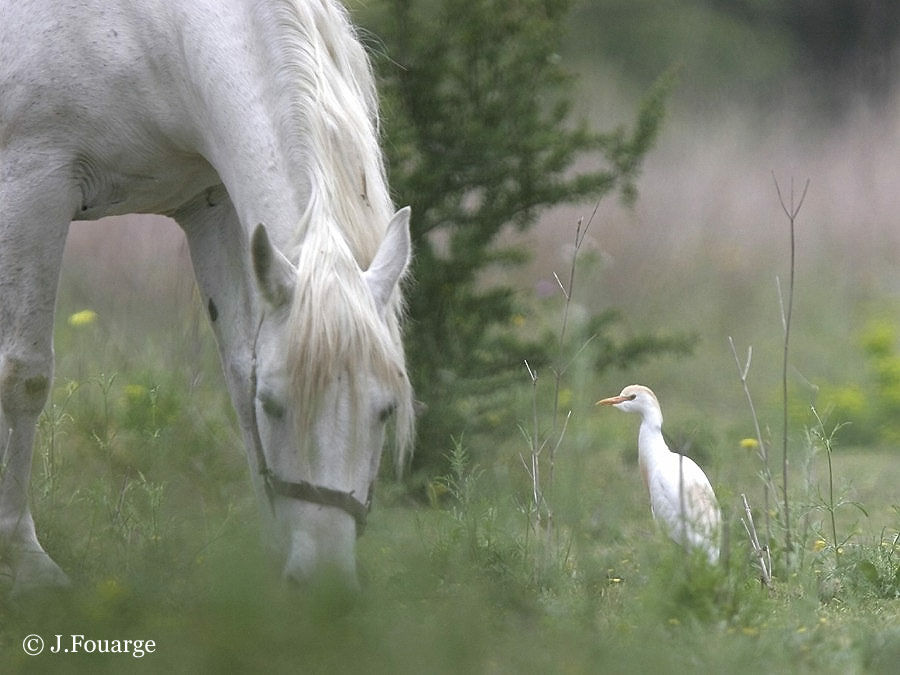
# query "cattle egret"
(681, 498)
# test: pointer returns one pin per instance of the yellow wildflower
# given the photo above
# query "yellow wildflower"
(135, 392)
(83, 318)
(819, 545)
(110, 590)
(493, 419)
(749, 444)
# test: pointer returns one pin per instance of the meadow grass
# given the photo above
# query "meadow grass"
(141, 493)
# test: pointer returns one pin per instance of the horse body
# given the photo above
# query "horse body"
(117, 137)
(225, 115)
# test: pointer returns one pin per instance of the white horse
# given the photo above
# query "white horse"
(225, 115)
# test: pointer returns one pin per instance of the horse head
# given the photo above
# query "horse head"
(328, 374)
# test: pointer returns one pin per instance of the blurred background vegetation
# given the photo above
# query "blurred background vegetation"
(488, 128)
(751, 50)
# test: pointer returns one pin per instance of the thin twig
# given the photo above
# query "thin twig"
(559, 440)
(536, 445)
(554, 438)
(791, 213)
(6, 446)
(743, 373)
(765, 568)
(581, 230)
(584, 346)
(562, 286)
(681, 504)
(781, 303)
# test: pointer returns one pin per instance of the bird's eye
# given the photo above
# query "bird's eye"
(271, 407)
(386, 412)
(632, 397)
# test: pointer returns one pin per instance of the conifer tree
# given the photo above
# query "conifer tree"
(479, 138)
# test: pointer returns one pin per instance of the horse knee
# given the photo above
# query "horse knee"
(24, 384)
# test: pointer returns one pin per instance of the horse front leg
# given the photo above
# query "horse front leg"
(220, 257)
(32, 238)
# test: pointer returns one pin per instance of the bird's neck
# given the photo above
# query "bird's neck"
(651, 421)
(651, 445)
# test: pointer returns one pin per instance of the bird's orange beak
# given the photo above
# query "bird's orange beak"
(612, 400)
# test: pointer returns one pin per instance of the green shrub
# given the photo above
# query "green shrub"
(871, 407)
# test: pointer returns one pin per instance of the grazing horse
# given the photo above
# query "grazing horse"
(252, 123)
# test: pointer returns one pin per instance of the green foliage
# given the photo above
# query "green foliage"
(875, 570)
(863, 570)
(471, 535)
(820, 439)
(872, 406)
(462, 480)
(612, 352)
(882, 347)
(480, 140)
(147, 505)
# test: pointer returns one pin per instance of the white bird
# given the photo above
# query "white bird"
(681, 498)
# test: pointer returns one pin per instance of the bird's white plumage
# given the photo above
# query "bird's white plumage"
(682, 500)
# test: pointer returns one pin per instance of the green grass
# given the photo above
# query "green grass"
(141, 493)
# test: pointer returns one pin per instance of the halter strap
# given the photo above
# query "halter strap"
(300, 490)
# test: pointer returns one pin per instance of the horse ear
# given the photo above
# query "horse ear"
(274, 273)
(391, 259)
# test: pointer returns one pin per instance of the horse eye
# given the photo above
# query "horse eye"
(271, 407)
(386, 412)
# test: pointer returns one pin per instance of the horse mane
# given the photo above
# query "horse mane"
(332, 131)
(331, 122)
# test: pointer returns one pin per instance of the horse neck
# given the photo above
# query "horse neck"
(297, 147)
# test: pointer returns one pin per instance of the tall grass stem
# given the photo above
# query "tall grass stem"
(791, 210)
(763, 452)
